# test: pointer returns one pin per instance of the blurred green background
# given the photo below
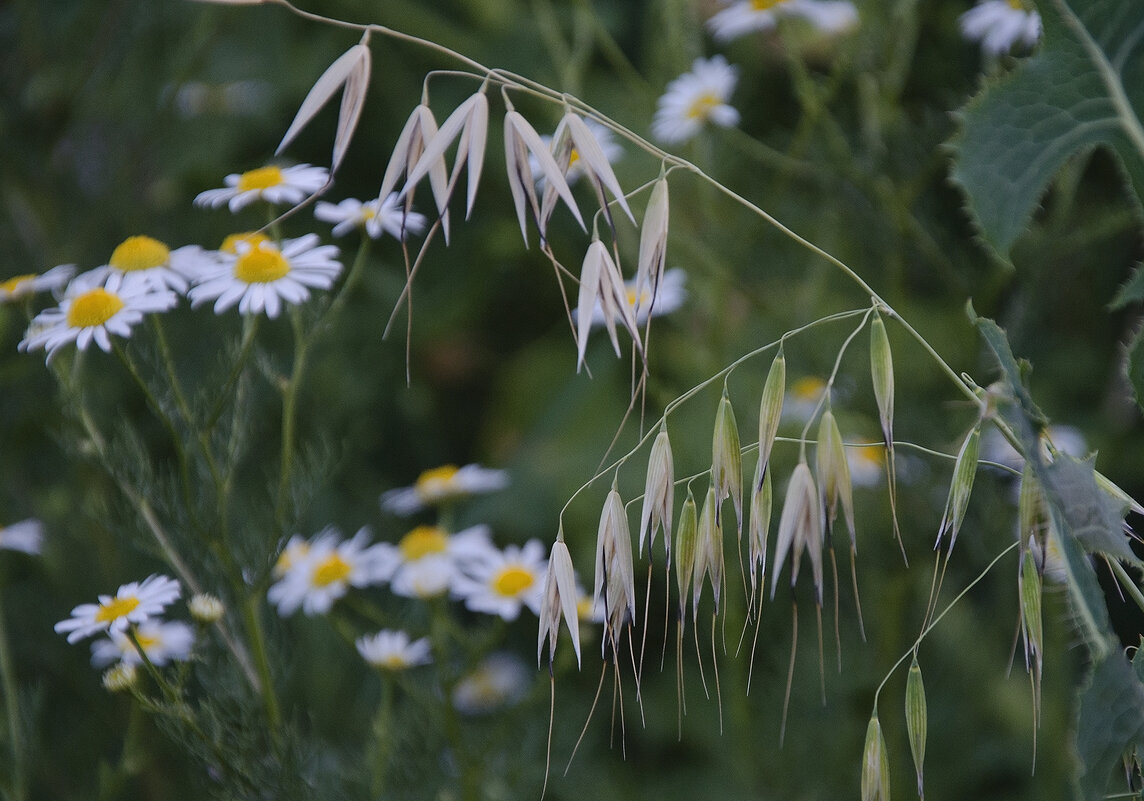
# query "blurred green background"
(115, 114)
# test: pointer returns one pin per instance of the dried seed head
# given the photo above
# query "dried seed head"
(875, 764)
(727, 460)
(595, 164)
(917, 718)
(882, 373)
(960, 488)
(834, 474)
(686, 536)
(653, 243)
(600, 280)
(800, 528)
(615, 590)
(659, 493)
(708, 551)
(520, 139)
(419, 130)
(470, 122)
(759, 523)
(560, 599)
(771, 411)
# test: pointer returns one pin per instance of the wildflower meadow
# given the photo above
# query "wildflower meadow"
(521, 399)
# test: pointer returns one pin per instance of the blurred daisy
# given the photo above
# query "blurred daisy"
(999, 25)
(393, 650)
(26, 536)
(442, 485)
(273, 184)
(694, 99)
(430, 559)
(1066, 439)
(500, 679)
(865, 461)
(376, 216)
(89, 313)
(669, 297)
(162, 642)
(803, 397)
(747, 16)
(430, 576)
(205, 609)
(259, 276)
(20, 286)
(328, 568)
(132, 603)
(151, 260)
(504, 583)
(119, 677)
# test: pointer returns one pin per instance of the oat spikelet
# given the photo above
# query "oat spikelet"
(875, 764)
(615, 591)
(917, 719)
(521, 139)
(652, 261)
(559, 600)
(727, 461)
(659, 493)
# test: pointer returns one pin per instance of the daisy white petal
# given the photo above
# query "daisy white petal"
(695, 98)
(325, 569)
(1001, 25)
(499, 680)
(20, 286)
(377, 217)
(26, 536)
(442, 485)
(504, 583)
(275, 185)
(162, 642)
(393, 650)
(132, 603)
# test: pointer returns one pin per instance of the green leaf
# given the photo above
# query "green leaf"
(1084, 88)
(1131, 291)
(1134, 366)
(1110, 721)
(1094, 517)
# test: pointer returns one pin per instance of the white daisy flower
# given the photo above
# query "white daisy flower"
(669, 297)
(393, 650)
(442, 485)
(999, 25)
(430, 559)
(328, 568)
(1064, 438)
(88, 313)
(20, 286)
(205, 609)
(866, 461)
(803, 397)
(162, 642)
(132, 603)
(259, 276)
(289, 185)
(747, 16)
(26, 536)
(499, 680)
(376, 216)
(694, 99)
(151, 260)
(509, 580)
(428, 577)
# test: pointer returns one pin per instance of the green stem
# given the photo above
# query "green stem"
(382, 737)
(18, 785)
(258, 645)
(289, 418)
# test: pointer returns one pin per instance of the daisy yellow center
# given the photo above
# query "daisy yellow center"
(573, 157)
(808, 388)
(146, 643)
(139, 253)
(702, 106)
(262, 178)
(230, 244)
(331, 570)
(116, 608)
(1016, 5)
(423, 541)
(764, 5)
(394, 662)
(636, 298)
(93, 308)
(512, 581)
(261, 266)
(435, 480)
(290, 556)
(13, 282)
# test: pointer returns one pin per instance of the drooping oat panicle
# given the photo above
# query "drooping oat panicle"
(652, 262)
(592, 160)
(800, 528)
(727, 461)
(834, 475)
(917, 720)
(659, 493)
(686, 544)
(759, 525)
(470, 122)
(960, 488)
(1029, 587)
(600, 280)
(875, 764)
(350, 73)
(520, 139)
(1031, 522)
(708, 551)
(560, 599)
(615, 590)
(419, 130)
(771, 411)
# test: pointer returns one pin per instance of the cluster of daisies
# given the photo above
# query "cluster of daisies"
(250, 271)
(701, 96)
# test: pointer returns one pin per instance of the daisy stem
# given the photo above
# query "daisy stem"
(258, 645)
(382, 738)
(353, 278)
(289, 416)
(249, 328)
(17, 786)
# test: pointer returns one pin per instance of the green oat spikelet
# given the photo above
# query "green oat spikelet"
(727, 461)
(659, 493)
(917, 719)
(770, 413)
(882, 375)
(875, 764)
(960, 488)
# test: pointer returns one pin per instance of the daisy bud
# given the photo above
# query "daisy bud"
(882, 373)
(708, 551)
(727, 460)
(834, 474)
(800, 528)
(615, 579)
(875, 764)
(917, 718)
(964, 471)
(560, 599)
(205, 609)
(686, 535)
(659, 492)
(120, 677)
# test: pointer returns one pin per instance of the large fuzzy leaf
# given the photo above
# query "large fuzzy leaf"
(1084, 88)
